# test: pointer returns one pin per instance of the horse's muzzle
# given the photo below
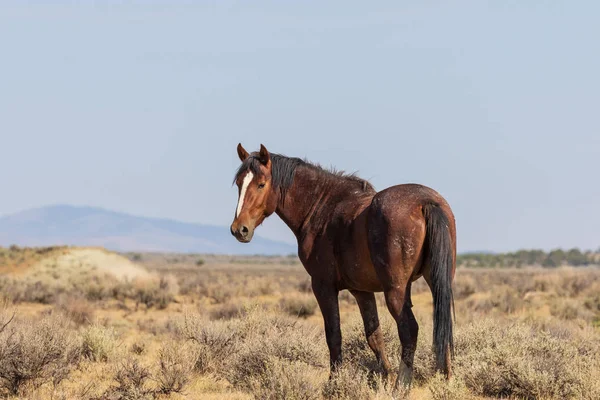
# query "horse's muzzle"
(241, 232)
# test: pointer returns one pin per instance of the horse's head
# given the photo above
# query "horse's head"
(257, 196)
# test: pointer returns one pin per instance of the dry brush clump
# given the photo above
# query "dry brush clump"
(99, 343)
(177, 361)
(78, 309)
(31, 291)
(138, 348)
(34, 353)
(132, 382)
(215, 341)
(282, 379)
(229, 310)
(443, 389)
(353, 383)
(158, 293)
(237, 308)
(299, 305)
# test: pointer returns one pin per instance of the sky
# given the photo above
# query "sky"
(139, 106)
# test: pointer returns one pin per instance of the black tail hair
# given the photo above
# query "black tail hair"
(439, 257)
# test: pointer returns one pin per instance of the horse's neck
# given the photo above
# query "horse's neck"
(303, 199)
(313, 199)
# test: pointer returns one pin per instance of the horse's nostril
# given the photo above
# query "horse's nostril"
(244, 230)
(232, 231)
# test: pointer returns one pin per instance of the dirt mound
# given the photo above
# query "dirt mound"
(15, 260)
(64, 262)
(97, 260)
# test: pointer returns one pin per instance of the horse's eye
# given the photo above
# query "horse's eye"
(261, 185)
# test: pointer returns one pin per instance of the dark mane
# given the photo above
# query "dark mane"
(284, 169)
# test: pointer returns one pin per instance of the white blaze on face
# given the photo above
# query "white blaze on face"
(247, 179)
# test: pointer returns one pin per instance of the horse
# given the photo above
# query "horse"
(352, 237)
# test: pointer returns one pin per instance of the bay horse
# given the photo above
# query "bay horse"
(352, 237)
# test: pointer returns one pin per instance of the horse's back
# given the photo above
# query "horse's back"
(406, 196)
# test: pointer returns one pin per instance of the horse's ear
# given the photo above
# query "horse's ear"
(242, 153)
(264, 155)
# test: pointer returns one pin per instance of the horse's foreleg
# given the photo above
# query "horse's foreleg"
(327, 297)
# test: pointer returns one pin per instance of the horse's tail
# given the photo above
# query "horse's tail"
(439, 257)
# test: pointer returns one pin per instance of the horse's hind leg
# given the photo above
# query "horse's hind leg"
(395, 238)
(368, 310)
(399, 305)
(391, 261)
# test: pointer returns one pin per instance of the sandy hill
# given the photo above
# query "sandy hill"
(65, 262)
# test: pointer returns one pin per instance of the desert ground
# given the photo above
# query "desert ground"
(84, 323)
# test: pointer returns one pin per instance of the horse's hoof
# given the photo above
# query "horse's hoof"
(404, 380)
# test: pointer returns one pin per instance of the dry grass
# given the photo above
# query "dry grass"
(244, 328)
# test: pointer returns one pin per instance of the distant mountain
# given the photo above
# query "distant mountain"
(89, 226)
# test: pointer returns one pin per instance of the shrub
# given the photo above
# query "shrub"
(138, 348)
(156, 293)
(348, 383)
(78, 309)
(33, 291)
(346, 297)
(569, 309)
(215, 341)
(305, 286)
(464, 287)
(99, 343)
(36, 353)
(281, 380)
(257, 286)
(131, 379)
(299, 305)
(442, 389)
(97, 287)
(506, 299)
(227, 311)
(177, 361)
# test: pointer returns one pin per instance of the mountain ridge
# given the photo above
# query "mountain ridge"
(63, 224)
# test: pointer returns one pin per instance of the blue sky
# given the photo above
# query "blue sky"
(138, 106)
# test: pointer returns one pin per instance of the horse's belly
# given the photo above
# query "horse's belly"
(359, 275)
(354, 259)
